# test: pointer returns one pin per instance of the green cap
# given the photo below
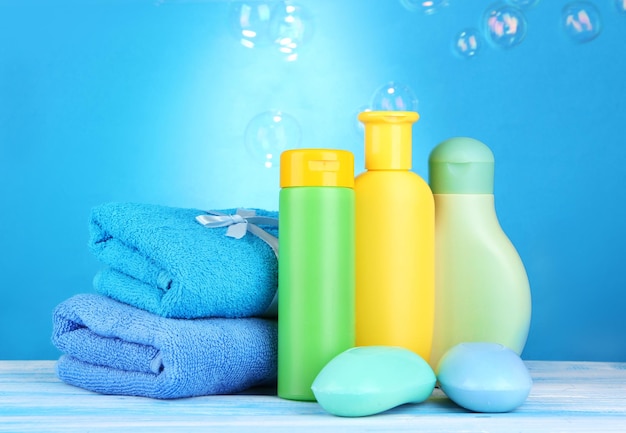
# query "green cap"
(461, 165)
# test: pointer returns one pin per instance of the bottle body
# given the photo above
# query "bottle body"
(482, 290)
(316, 283)
(395, 269)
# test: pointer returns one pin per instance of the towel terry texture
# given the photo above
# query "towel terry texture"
(162, 260)
(113, 348)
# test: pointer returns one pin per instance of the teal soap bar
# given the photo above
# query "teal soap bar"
(484, 377)
(367, 380)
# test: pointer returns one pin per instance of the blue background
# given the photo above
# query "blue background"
(149, 101)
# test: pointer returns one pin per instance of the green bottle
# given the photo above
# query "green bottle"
(482, 292)
(316, 265)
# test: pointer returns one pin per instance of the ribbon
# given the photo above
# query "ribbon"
(239, 224)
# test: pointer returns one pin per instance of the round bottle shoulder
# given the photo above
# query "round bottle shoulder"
(404, 178)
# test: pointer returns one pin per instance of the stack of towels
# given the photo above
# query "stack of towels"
(180, 310)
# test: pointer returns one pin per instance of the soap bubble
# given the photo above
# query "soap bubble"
(425, 6)
(291, 26)
(621, 5)
(394, 97)
(251, 22)
(505, 26)
(467, 43)
(523, 4)
(270, 133)
(581, 21)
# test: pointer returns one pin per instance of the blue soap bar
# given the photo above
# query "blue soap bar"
(367, 380)
(484, 377)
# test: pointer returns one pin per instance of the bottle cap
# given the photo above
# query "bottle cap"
(461, 165)
(388, 139)
(317, 167)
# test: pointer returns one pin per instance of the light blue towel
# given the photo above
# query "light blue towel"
(114, 348)
(164, 261)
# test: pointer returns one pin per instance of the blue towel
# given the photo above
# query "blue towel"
(164, 261)
(114, 348)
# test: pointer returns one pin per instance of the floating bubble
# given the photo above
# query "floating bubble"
(621, 5)
(270, 133)
(291, 27)
(425, 6)
(394, 97)
(581, 21)
(467, 43)
(505, 26)
(250, 21)
(523, 4)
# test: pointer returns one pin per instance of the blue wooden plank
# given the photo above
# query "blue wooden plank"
(566, 396)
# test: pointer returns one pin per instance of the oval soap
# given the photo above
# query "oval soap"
(367, 380)
(484, 377)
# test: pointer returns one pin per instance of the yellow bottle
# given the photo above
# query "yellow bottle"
(395, 239)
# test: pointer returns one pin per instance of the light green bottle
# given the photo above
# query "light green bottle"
(482, 292)
(316, 265)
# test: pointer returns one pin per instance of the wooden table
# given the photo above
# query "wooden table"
(566, 397)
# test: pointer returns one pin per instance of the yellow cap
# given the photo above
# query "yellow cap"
(388, 139)
(317, 167)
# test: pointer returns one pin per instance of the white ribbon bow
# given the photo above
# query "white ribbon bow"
(240, 223)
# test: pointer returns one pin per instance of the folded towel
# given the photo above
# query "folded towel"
(114, 348)
(164, 261)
